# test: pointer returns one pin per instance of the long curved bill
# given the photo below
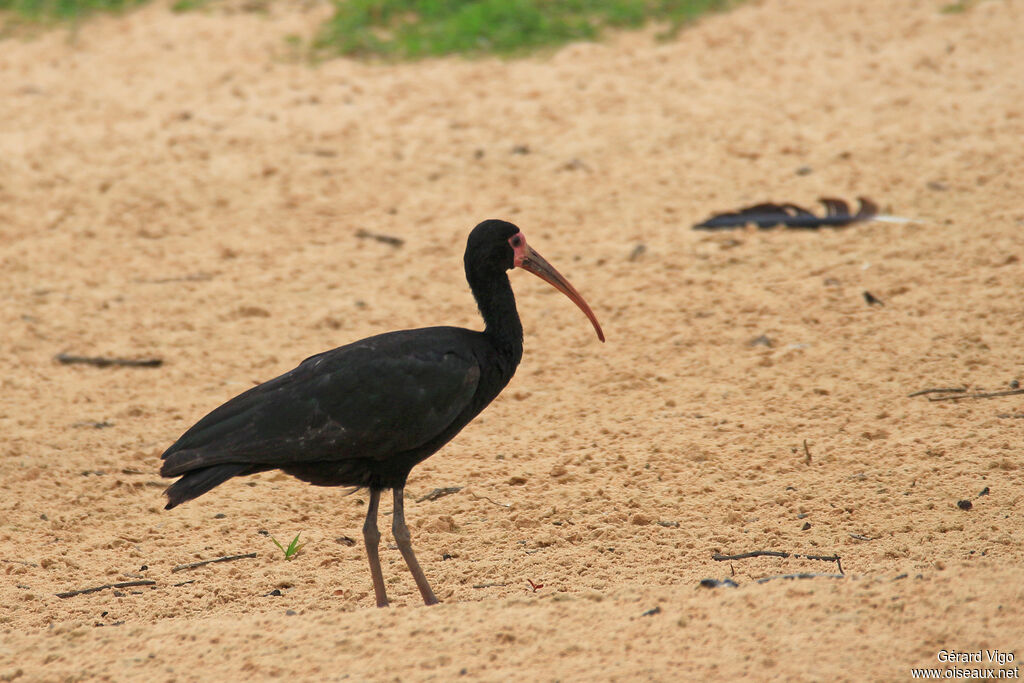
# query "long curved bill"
(528, 259)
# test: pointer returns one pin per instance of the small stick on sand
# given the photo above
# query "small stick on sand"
(807, 452)
(226, 558)
(743, 556)
(125, 584)
(68, 359)
(827, 558)
(778, 553)
(501, 505)
(24, 562)
(439, 493)
(946, 390)
(384, 239)
(994, 394)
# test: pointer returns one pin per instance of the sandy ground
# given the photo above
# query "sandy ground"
(177, 186)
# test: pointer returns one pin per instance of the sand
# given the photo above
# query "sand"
(181, 187)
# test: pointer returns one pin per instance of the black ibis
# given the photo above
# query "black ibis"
(363, 415)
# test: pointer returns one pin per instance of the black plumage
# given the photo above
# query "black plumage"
(837, 214)
(366, 413)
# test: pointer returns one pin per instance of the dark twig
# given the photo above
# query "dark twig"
(807, 452)
(489, 585)
(24, 562)
(801, 576)
(501, 505)
(994, 394)
(226, 558)
(384, 239)
(439, 493)
(778, 553)
(125, 584)
(68, 359)
(743, 556)
(826, 558)
(941, 390)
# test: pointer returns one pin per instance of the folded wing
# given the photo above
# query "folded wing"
(372, 399)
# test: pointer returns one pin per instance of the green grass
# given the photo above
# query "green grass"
(188, 5)
(410, 29)
(958, 7)
(64, 9)
(293, 548)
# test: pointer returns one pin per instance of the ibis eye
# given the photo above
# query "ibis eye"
(516, 241)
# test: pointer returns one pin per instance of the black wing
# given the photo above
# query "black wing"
(371, 399)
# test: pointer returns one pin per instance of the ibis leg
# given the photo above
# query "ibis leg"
(404, 541)
(372, 538)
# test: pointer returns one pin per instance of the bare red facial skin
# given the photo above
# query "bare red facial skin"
(518, 244)
(529, 260)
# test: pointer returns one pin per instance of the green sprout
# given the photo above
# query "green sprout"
(293, 548)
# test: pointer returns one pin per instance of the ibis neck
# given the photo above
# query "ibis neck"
(497, 305)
